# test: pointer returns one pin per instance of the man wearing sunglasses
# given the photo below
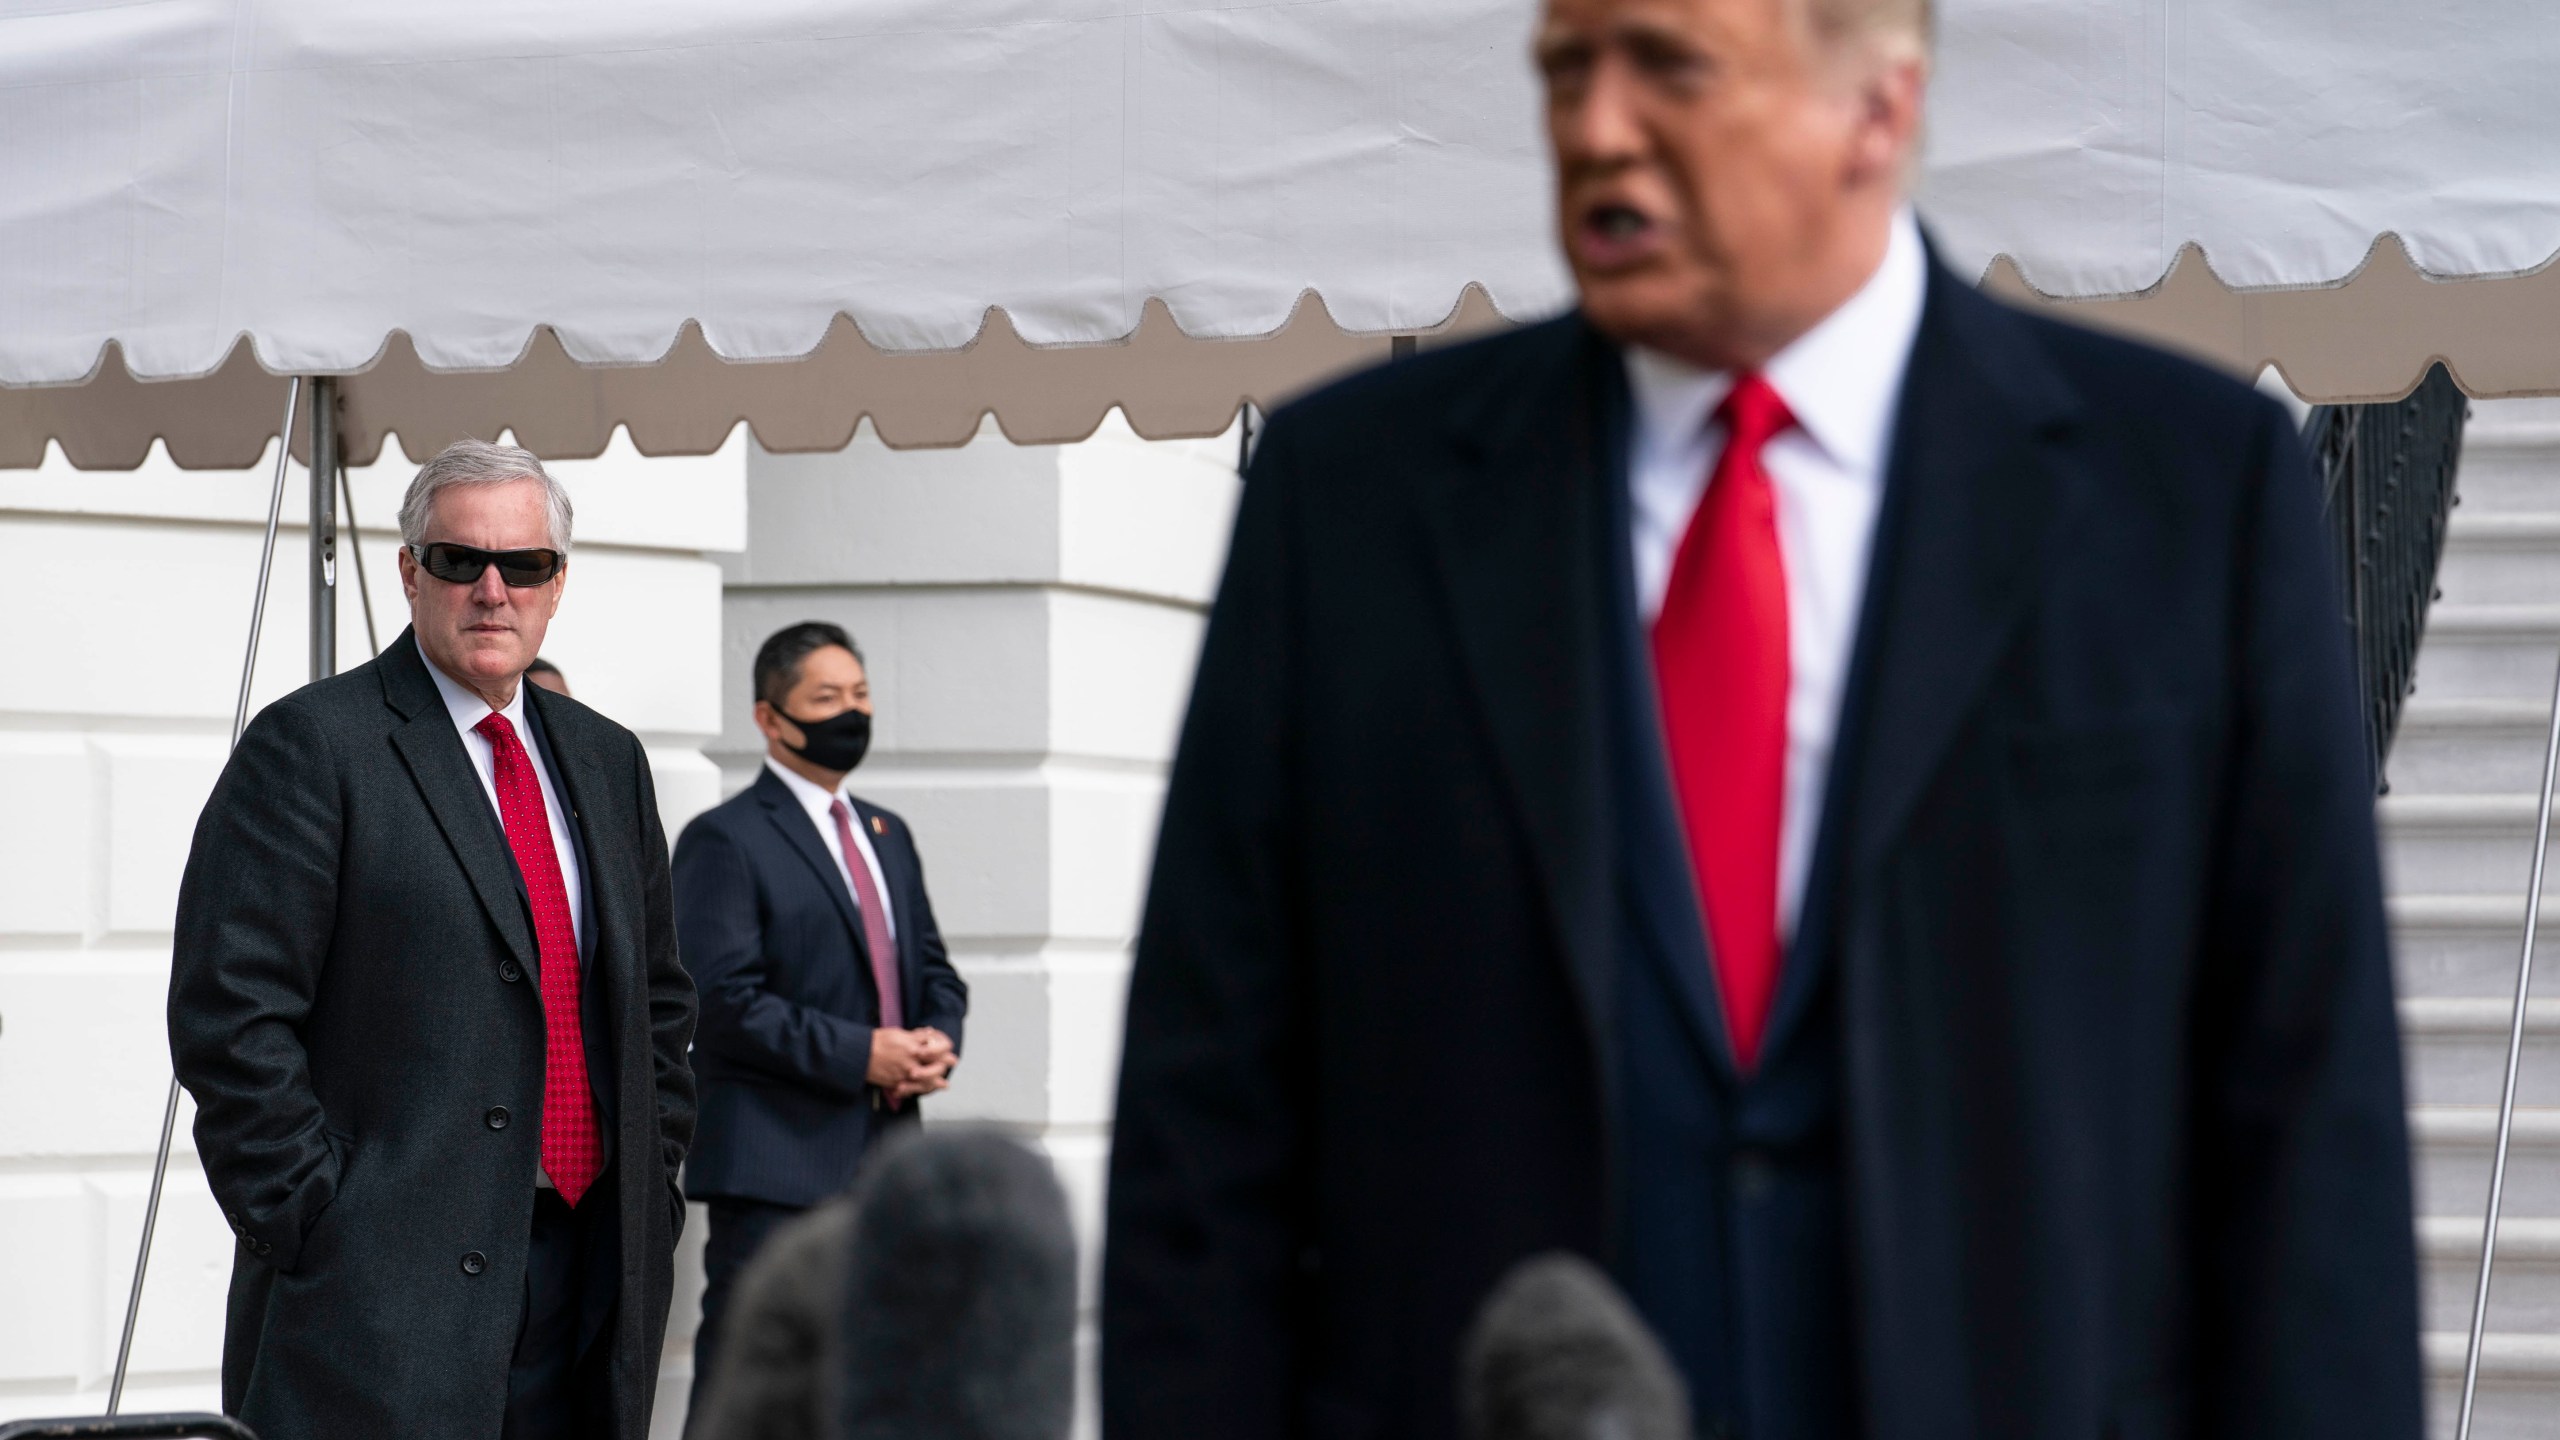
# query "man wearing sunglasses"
(427, 998)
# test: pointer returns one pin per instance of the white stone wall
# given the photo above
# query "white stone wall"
(128, 608)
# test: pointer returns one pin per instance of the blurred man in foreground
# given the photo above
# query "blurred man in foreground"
(426, 997)
(829, 1007)
(1839, 799)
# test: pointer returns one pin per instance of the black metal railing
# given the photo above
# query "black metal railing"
(2387, 485)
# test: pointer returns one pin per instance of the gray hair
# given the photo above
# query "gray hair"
(477, 462)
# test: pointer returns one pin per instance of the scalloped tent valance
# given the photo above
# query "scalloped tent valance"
(557, 216)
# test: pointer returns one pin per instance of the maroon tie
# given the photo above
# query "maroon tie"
(572, 1152)
(1720, 664)
(875, 923)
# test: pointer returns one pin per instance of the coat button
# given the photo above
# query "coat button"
(1754, 1174)
(473, 1262)
(510, 971)
(498, 1117)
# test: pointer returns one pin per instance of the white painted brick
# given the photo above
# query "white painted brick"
(1120, 675)
(975, 514)
(1004, 1069)
(638, 635)
(84, 1055)
(688, 784)
(180, 592)
(968, 673)
(47, 855)
(156, 787)
(1087, 994)
(1145, 516)
(50, 1258)
(1102, 836)
(180, 1326)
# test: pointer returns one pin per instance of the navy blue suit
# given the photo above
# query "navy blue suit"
(2079, 1113)
(769, 930)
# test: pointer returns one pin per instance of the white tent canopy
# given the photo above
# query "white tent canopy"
(219, 192)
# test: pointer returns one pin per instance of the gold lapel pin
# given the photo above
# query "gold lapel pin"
(878, 826)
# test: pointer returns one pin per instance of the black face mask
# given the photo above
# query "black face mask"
(836, 743)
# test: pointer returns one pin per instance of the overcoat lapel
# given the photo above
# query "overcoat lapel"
(583, 787)
(783, 810)
(1982, 484)
(1974, 491)
(443, 774)
(1510, 528)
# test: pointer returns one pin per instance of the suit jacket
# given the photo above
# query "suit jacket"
(353, 1003)
(2117, 1068)
(772, 937)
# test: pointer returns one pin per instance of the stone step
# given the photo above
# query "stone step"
(2437, 844)
(2510, 457)
(2524, 1291)
(2519, 1395)
(2467, 945)
(2454, 1144)
(2457, 1051)
(2489, 652)
(2468, 747)
(2493, 558)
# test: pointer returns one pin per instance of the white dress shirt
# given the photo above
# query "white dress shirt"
(1843, 382)
(818, 802)
(469, 710)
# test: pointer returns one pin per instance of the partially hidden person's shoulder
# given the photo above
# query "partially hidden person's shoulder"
(575, 727)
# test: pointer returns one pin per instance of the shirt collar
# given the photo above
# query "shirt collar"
(1841, 379)
(468, 709)
(812, 799)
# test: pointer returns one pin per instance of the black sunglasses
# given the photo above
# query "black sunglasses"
(463, 565)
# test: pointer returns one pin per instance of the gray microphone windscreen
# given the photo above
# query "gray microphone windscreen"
(960, 1304)
(1557, 1353)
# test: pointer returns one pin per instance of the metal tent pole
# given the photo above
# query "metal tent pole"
(355, 549)
(239, 722)
(2515, 1054)
(324, 527)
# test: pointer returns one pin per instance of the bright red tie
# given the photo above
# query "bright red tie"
(572, 1151)
(1720, 666)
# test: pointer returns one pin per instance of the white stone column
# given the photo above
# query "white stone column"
(129, 598)
(1030, 615)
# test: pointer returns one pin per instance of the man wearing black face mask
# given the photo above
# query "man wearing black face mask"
(828, 1004)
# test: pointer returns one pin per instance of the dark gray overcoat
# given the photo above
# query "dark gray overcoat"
(352, 1001)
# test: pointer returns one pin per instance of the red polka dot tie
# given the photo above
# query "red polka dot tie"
(572, 1150)
(1720, 664)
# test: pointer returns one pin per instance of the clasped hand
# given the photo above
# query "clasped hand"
(909, 1063)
